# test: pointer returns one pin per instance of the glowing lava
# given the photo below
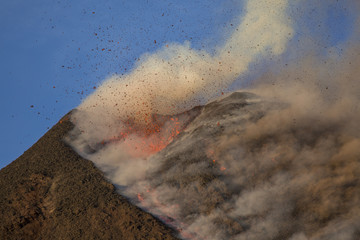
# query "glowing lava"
(153, 135)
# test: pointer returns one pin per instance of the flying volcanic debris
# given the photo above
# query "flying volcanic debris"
(279, 161)
(177, 77)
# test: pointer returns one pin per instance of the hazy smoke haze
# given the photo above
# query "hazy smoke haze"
(281, 162)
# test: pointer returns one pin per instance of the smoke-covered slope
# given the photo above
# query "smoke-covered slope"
(250, 168)
(52, 193)
(244, 168)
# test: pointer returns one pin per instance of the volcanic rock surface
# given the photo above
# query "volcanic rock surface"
(50, 192)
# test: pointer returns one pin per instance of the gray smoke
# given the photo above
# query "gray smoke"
(279, 161)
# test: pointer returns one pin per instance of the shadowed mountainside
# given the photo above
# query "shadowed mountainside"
(50, 192)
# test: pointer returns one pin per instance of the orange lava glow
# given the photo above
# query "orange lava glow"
(149, 138)
(140, 198)
(210, 153)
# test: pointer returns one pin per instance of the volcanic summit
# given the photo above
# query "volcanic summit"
(229, 174)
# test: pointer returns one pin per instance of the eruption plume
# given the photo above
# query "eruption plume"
(177, 77)
(279, 161)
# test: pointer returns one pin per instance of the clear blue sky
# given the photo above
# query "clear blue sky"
(54, 52)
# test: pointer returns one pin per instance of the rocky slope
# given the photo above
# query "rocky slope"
(50, 192)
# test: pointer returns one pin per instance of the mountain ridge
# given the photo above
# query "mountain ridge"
(50, 192)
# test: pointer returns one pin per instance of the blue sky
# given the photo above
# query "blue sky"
(54, 52)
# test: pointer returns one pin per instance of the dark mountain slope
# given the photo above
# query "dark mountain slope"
(50, 192)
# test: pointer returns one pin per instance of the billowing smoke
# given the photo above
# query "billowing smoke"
(177, 77)
(279, 161)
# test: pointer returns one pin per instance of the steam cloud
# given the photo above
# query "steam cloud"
(281, 162)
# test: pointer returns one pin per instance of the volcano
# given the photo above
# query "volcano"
(242, 167)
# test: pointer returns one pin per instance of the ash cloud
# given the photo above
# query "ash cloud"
(280, 161)
(177, 77)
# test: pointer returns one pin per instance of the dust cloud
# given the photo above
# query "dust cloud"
(279, 160)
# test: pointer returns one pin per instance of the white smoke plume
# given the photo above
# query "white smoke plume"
(281, 164)
(177, 77)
